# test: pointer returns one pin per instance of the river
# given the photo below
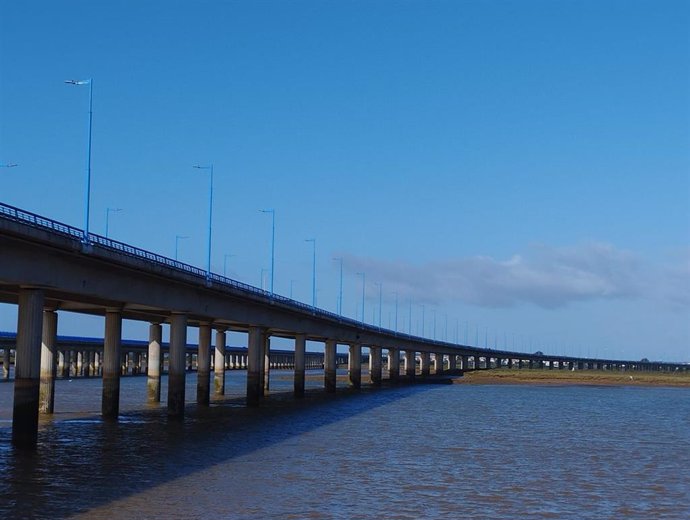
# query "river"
(408, 452)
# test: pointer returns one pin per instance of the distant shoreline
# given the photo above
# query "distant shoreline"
(576, 377)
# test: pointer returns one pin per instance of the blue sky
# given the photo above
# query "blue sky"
(521, 166)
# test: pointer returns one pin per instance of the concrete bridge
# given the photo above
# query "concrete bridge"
(82, 357)
(47, 266)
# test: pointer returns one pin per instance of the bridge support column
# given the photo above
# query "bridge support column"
(375, 363)
(48, 365)
(439, 363)
(219, 363)
(267, 363)
(203, 365)
(393, 365)
(452, 362)
(300, 347)
(255, 353)
(153, 363)
(355, 374)
(424, 362)
(110, 404)
(177, 365)
(329, 366)
(6, 364)
(410, 364)
(27, 367)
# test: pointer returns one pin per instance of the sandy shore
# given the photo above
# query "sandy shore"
(577, 377)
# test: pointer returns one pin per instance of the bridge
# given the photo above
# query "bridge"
(46, 266)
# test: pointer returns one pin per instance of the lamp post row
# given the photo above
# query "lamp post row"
(209, 168)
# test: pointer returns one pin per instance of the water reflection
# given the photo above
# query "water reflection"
(408, 452)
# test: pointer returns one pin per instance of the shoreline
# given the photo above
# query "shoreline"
(577, 378)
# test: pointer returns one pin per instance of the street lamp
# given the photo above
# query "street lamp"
(225, 263)
(292, 283)
(340, 294)
(210, 215)
(396, 311)
(380, 300)
(409, 325)
(363, 287)
(108, 211)
(423, 318)
(177, 243)
(263, 271)
(88, 82)
(273, 241)
(313, 272)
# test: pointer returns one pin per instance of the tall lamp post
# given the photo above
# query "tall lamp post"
(108, 211)
(225, 263)
(363, 289)
(380, 300)
(340, 293)
(88, 82)
(313, 272)
(210, 216)
(177, 243)
(273, 242)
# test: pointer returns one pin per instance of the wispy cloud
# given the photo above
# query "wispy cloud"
(544, 276)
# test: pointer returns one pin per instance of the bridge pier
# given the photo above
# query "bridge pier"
(153, 364)
(452, 362)
(219, 363)
(439, 363)
(329, 366)
(6, 364)
(393, 365)
(267, 363)
(425, 364)
(177, 365)
(375, 364)
(203, 366)
(254, 361)
(27, 367)
(355, 368)
(300, 347)
(48, 365)
(110, 405)
(410, 364)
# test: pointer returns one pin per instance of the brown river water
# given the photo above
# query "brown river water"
(406, 452)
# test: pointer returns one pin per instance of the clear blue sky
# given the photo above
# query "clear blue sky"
(522, 166)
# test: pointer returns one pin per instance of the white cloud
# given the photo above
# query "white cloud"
(544, 276)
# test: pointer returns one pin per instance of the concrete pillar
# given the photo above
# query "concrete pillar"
(61, 362)
(375, 364)
(177, 365)
(329, 366)
(425, 364)
(267, 363)
(48, 365)
(110, 404)
(439, 363)
(153, 368)
(27, 368)
(452, 362)
(410, 364)
(300, 346)
(92, 363)
(203, 367)
(393, 365)
(6, 364)
(355, 362)
(97, 363)
(80, 363)
(254, 358)
(219, 363)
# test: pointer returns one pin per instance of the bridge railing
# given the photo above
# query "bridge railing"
(39, 222)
